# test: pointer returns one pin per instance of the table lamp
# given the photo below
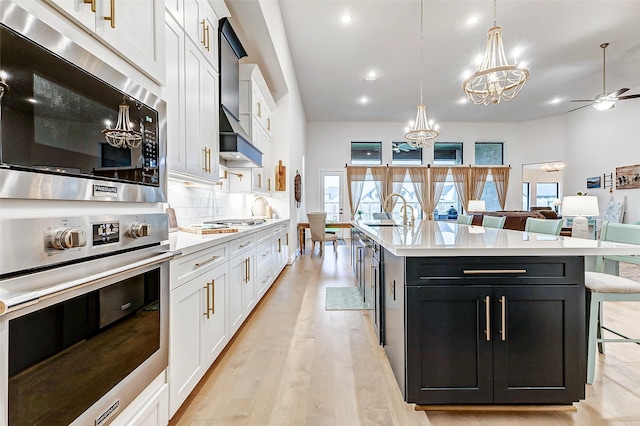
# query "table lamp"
(580, 206)
(476, 206)
(556, 203)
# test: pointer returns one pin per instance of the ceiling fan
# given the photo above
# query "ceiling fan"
(605, 101)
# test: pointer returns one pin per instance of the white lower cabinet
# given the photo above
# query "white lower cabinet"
(213, 291)
(198, 330)
(242, 298)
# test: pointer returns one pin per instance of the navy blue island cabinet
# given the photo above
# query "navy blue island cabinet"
(486, 330)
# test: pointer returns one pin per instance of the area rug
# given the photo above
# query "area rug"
(344, 299)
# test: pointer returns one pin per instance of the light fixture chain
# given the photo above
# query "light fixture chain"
(421, 47)
(495, 14)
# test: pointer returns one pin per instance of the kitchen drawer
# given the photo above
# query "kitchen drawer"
(239, 245)
(264, 235)
(552, 270)
(264, 255)
(187, 267)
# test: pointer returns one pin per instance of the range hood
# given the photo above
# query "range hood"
(236, 149)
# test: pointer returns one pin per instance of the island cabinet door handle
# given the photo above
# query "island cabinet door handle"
(487, 313)
(197, 265)
(503, 325)
(208, 310)
(493, 271)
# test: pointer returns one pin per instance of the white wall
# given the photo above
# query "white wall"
(329, 147)
(597, 143)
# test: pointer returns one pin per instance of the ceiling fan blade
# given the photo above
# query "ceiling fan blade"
(583, 106)
(618, 92)
(629, 97)
(582, 100)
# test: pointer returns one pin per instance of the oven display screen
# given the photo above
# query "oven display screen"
(106, 233)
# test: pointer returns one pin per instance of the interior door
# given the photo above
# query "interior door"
(332, 193)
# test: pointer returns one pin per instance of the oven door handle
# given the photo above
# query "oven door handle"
(19, 301)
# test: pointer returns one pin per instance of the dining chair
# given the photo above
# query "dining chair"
(317, 224)
(493, 221)
(382, 216)
(464, 219)
(603, 287)
(543, 226)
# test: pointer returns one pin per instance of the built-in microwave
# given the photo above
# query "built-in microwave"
(71, 126)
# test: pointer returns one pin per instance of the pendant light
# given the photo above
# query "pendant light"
(422, 135)
(495, 79)
(123, 135)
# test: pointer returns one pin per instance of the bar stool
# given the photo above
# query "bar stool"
(609, 288)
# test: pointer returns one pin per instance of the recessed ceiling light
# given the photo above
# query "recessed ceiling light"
(555, 101)
(364, 100)
(371, 77)
(472, 20)
(346, 18)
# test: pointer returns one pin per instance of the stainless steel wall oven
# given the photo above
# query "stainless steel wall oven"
(71, 126)
(84, 315)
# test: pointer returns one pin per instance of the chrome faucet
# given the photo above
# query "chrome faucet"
(403, 209)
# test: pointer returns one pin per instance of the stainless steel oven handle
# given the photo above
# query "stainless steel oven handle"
(18, 301)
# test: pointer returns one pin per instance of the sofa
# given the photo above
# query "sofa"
(516, 219)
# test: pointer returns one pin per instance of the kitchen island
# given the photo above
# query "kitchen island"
(474, 315)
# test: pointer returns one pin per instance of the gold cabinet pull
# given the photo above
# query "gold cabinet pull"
(487, 313)
(208, 45)
(112, 17)
(286, 240)
(493, 271)
(206, 313)
(259, 109)
(259, 180)
(279, 245)
(197, 265)
(248, 269)
(268, 184)
(503, 325)
(204, 33)
(209, 159)
(204, 163)
(93, 4)
(269, 123)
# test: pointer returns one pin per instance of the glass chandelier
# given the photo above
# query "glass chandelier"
(123, 135)
(495, 79)
(422, 135)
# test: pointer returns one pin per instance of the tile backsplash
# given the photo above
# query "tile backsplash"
(194, 203)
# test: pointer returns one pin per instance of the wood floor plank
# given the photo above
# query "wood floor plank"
(293, 363)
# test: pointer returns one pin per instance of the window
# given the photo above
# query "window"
(489, 153)
(546, 192)
(447, 153)
(370, 201)
(403, 153)
(366, 153)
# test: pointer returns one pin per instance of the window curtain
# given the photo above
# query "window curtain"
(395, 180)
(477, 179)
(500, 177)
(461, 182)
(438, 177)
(420, 177)
(380, 181)
(355, 184)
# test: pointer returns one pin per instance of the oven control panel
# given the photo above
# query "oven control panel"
(106, 233)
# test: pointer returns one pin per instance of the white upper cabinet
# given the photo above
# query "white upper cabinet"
(201, 26)
(132, 28)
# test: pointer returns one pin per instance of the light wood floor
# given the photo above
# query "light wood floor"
(293, 363)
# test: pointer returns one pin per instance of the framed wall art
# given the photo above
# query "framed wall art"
(628, 177)
(593, 182)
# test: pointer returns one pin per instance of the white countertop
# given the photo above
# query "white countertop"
(439, 238)
(188, 242)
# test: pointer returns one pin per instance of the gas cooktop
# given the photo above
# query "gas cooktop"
(247, 222)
